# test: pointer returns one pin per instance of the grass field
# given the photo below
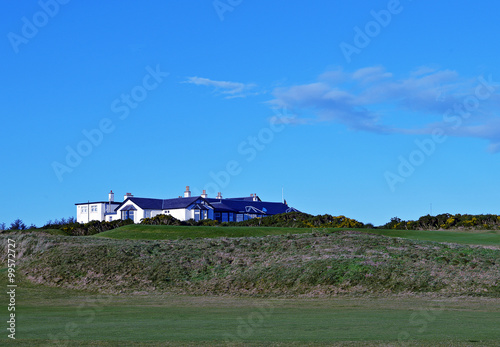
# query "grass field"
(55, 316)
(164, 232)
(255, 291)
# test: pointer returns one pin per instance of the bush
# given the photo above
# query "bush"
(300, 220)
(17, 225)
(58, 224)
(93, 227)
(447, 221)
(161, 219)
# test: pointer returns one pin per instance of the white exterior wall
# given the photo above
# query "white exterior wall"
(89, 215)
(156, 212)
(182, 214)
(179, 213)
(138, 213)
(89, 212)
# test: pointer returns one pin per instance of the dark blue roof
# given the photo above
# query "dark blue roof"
(246, 198)
(199, 207)
(129, 208)
(161, 204)
(252, 207)
(180, 202)
(144, 203)
(236, 205)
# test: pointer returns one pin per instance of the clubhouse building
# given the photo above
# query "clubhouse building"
(183, 208)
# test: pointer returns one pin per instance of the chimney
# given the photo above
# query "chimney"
(204, 195)
(128, 195)
(255, 197)
(187, 193)
(111, 196)
(219, 196)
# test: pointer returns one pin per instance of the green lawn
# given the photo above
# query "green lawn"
(167, 232)
(162, 232)
(49, 314)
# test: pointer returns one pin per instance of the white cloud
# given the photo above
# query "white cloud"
(373, 99)
(231, 89)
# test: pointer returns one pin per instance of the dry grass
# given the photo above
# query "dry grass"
(317, 264)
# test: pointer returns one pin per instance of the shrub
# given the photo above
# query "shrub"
(93, 227)
(447, 221)
(17, 225)
(161, 219)
(300, 220)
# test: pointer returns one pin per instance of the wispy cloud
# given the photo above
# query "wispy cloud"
(373, 99)
(230, 89)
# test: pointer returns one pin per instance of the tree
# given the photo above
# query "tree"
(2, 226)
(17, 225)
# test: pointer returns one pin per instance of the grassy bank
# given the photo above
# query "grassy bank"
(314, 264)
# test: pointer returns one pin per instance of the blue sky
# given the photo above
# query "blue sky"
(365, 109)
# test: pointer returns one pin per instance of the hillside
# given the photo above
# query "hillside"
(312, 264)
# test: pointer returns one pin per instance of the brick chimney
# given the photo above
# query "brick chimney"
(128, 195)
(204, 195)
(187, 193)
(111, 196)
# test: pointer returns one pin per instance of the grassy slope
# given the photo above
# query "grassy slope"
(45, 315)
(163, 232)
(316, 264)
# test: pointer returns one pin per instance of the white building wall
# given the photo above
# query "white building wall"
(179, 213)
(155, 213)
(93, 211)
(138, 213)
(89, 212)
(182, 214)
(82, 213)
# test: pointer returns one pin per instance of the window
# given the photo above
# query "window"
(93, 208)
(128, 215)
(83, 209)
(147, 214)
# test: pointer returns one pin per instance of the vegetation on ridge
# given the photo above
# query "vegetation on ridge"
(318, 263)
